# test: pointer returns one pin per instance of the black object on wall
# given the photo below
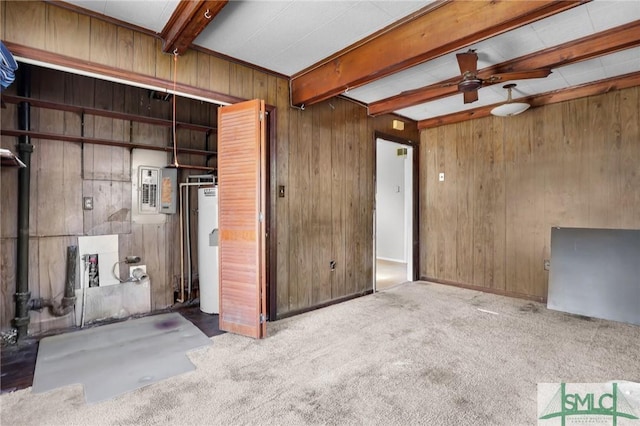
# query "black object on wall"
(24, 149)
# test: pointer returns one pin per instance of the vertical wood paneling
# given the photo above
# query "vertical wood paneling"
(343, 226)
(320, 194)
(220, 80)
(104, 42)
(8, 176)
(204, 71)
(283, 204)
(428, 176)
(188, 68)
(338, 197)
(8, 247)
(630, 158)
(351, 218)
(572, 164)
(305, 139)
(144, 54)
(67, 33)
(2, 15)
(25, 23)
(51, 261)
(240, 81)
(465, 183)
(125, 49)
(164, 62)
(367, 187)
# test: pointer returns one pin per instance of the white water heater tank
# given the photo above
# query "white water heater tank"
(208, 249)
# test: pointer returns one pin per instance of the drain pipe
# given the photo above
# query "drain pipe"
(24, 149)
(66, 305)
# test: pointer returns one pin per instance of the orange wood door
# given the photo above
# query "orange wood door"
(241, 189)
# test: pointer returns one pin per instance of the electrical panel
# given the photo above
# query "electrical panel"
(149, 197)
(154, 186)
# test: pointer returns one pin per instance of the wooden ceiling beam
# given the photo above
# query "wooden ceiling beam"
(445, 29)
(187, 22)
(603, 43)
(588, 89)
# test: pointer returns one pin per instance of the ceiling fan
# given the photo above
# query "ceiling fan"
(472, 80)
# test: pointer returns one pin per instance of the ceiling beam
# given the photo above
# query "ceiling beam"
(445, 29)
(187, 22)
(603, 43)
(589, 89)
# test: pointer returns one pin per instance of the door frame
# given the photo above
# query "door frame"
(415, 170)
(271, 255)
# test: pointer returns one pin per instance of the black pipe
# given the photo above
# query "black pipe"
(69, 299)
(24, 149)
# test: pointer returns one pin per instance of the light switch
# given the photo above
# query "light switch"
(441, 177)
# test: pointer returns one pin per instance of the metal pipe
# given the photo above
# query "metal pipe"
(24, 149)
(66, 306)
(187, 207)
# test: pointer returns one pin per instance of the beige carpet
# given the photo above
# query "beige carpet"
(414, 354)
(389, 274)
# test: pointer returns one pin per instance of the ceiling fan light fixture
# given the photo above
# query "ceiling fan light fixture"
(510, 108)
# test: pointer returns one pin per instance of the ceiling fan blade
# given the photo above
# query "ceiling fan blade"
(516, 75)
(470, 97)
(468, 62)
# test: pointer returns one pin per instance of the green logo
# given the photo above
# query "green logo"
(587, 400)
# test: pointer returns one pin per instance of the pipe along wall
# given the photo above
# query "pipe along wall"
(23, 295)
(24, 149)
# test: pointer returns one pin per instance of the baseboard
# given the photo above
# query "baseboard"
(487, 289)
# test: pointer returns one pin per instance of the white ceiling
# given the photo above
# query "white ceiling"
(289, 36)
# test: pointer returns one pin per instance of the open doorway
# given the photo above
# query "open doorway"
(395, 207)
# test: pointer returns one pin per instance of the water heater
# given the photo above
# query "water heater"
(208, 249)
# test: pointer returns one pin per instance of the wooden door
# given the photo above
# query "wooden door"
(242, 190)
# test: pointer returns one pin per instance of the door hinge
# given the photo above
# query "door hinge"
(262, 319)
(261, 115)
(261, 217)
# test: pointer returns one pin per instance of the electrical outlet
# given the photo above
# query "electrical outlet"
(547, 264)
(87, 203)
(134, 267)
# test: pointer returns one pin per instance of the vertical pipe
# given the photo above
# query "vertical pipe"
(24, 149)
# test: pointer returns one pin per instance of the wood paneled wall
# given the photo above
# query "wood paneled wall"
(324, 158)
(508, 181)
(62, 173)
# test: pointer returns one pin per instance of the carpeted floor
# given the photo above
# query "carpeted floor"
(415, 354)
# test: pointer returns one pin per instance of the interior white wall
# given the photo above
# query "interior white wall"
(390, 202)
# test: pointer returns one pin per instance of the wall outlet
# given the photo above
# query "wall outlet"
(134, 267)
(547, 264)
(87, 203)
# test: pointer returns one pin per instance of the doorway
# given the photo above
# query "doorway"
(395, 242)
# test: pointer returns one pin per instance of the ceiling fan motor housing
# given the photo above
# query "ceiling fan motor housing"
(470, 84)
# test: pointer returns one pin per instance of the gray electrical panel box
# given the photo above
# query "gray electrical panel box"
(168, 190)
